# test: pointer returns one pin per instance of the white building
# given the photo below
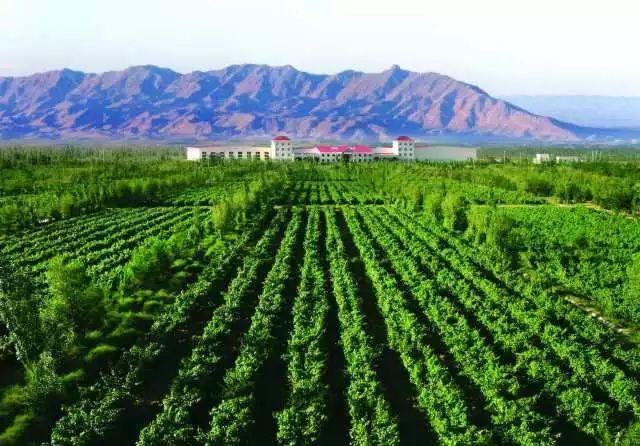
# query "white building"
(197, 153)
(281, 148)
(402, 148)
(445, 153)
(567, 159)
(541, 158)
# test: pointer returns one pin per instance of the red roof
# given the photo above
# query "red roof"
(331, 149)
(344, 149)
(403, 138)
(281, 138)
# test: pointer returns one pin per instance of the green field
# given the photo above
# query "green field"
(147, 300)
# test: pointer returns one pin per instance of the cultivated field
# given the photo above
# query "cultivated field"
(151, 301)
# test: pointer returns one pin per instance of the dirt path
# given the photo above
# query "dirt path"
(585, 306)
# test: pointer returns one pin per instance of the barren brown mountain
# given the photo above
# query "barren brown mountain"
(256, 101)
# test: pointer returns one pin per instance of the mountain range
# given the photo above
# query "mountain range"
(257, 101)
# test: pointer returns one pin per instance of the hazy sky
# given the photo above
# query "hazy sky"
(506, 47)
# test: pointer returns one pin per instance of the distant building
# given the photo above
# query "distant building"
(568, 159)
(205, 152)
(402, 148)
(445, 153)
(541, 158)
(282, 148)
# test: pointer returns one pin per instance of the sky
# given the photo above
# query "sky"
(505, 47)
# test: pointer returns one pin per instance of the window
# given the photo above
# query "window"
(239, 155)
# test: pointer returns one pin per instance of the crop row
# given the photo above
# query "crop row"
(371, 419)
(305, 413)
(515, 416)
(529, 322)
(197, 383)
(440, 399)
(101, 412)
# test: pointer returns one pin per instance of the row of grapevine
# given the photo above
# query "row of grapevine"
(514, 416)
(441, 400)
(583, 359)
(540, 302)
(121, 231)
(103, 406)
(66, 230)
(540, 366)
(197, 379)
(233, 417)
(305, 414)
(371, 418)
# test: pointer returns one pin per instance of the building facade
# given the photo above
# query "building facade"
(445, 153)
(203, 153)
(404, 148)
(281, 148)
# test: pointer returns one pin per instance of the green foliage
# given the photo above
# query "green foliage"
(19, 312)
(162, 329)
(433, 206)
(101, 353)
(631, 436)
(44, 386)
(454, 216)
(14, 434)
(222, 217)
(149, 266)
(74, 305)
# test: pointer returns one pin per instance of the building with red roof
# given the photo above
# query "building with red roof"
(281, 148)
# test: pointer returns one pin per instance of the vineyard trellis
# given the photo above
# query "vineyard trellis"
(293, 303)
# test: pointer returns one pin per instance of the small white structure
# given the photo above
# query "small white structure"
(194, 153)
(568, 159)
(281, 148)
(541, 158)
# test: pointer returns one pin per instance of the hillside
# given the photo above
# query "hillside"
(252, 101)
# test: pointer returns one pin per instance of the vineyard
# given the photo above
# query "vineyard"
(248, 303)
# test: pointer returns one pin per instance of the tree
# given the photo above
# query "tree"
(454, 208)
(74, 304)
(222, 217)
(501, 237)
(19, 303)
(149, 265)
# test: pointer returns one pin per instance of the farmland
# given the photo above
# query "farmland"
(149, 301)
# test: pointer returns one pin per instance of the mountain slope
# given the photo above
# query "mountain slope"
(258, 101)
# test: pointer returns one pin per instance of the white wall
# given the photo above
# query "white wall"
(405, 150)
(281, 150)
(193, 154)
(445, 153)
